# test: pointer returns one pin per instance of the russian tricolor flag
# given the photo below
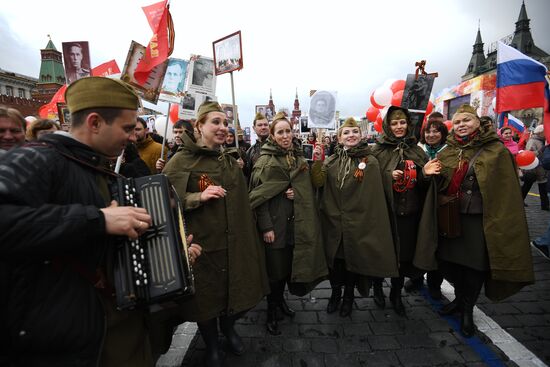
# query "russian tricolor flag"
(515, 123)
(520, 80)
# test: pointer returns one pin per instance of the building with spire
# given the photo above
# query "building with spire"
(296, 112)
(478, 86)
(270, 107)
(52, 73)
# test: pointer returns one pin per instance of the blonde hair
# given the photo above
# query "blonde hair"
(14, 115)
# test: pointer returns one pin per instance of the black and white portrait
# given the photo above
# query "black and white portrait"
(417, 92)
(76, 57)
(261, 109)
(308, 151)
(322, 110)
(228, 53)
(303, 124)
(201, 75)
(188, 102)
(173, 85)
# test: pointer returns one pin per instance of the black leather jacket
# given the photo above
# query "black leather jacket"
(52, 240)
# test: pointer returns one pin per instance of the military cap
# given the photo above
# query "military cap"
(259, 116)
(208, 107)
(350, 122)
(280, 116)
(466, 108)
(100, 92)
(397, 114)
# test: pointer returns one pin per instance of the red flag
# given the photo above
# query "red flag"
(162, 42)
(50, 108)
(107, 68)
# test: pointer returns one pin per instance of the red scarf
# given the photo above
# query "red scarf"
(462, 167)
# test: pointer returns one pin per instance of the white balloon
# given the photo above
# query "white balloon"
(30, 119)
(382, 96)
(533, 165)
(494, 103)
(160, 124)
(384, 111)
(388, 83)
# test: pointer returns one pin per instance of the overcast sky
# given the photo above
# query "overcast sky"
(348, 46)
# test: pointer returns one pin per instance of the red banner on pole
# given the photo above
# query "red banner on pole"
(105, 69)
(162, 42)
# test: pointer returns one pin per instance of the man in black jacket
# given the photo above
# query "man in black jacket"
(261, 128)
(57, 224)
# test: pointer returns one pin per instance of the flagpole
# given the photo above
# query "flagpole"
(165, 131)
(235, 117)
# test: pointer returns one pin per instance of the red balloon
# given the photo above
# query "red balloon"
(449, 124)
(372, 112)
(174, 113)
(525, 158)
(397, 98)
(378, 123)
(397, 86)
(430, 108)
(373, 102)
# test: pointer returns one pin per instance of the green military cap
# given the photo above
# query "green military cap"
(466, 108)
(209, 107)
(259, 116)
(100, 92)
(280, 116)
(397, 114)
(350, 122)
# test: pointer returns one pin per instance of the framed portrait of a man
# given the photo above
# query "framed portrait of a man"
(228, 53)
(201, 76)
(308, 151)
(416, 94)
(228, 109)
(303, 125)
(322, 110)
(149, 91)
(64, 116)
(261, 109)
(76, 57)
(173, 86)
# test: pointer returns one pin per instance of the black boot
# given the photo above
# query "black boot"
(434, 280)
(473, 282)
(209, 332)
(544, 204)
(451, 308)
(334, 301)
(414, 284)
(276, 297)
(234, 341)
(395, 296)
(349, 290)
(378, 293)
(272, 324)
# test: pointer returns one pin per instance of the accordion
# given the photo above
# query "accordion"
(154, 268)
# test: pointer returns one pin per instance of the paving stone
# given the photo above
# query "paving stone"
(274, 360)
(269, 345)
(341, 360)
(305, 317)
(428, 357)
(320, 331)
(334, 318)
(416, 341)
(383, 342)
(362, 329)
(353, 345)
(378, 359)
(324, 345)
(296, 345)
(308, 360)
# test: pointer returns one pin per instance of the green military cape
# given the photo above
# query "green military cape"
(271, 175)
(504, 221)
(390, 151)
(356, 214)
(219, 224)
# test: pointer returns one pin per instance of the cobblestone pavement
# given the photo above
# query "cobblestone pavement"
(374, 337)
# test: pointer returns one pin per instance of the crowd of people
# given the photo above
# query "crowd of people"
(263, 219)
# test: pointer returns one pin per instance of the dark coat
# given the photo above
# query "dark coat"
(420, 201)
(225, 230)
(274, 172)
(50, 314)
(354, 213)
(504, 223)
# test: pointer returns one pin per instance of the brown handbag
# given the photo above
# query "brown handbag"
(448, 216)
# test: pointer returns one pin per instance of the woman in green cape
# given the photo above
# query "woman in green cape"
(492, 248)
(282, 196)
(230, 275)
(355, 219)
(411, 192)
